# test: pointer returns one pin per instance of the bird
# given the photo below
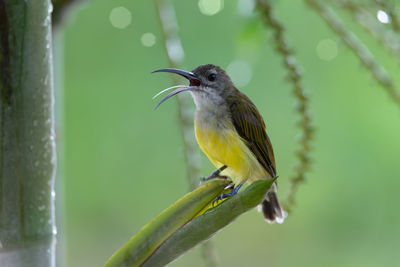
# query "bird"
(231, 132)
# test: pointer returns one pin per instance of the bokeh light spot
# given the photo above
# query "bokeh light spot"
(246, 8)
(327, 49)
(210, 7)
(383, 17)
(148, 39)
(240, 72)
(120, 17)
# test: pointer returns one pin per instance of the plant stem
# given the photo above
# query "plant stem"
(175, 53)
(388, 38)
(58, 62)
(360, 50)
(390, 8)
(208, 254)
(300, 94)
(27, 145)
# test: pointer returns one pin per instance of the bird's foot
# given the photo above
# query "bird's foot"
(226, 195)
(215, 174)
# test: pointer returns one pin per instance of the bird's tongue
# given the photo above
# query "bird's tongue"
(194, 82)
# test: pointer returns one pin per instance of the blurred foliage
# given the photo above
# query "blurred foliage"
(60, 10)
(124, 162)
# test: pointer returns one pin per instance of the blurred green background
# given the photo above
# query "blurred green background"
(124, 163)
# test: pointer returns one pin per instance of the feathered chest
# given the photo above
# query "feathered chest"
(216, 135)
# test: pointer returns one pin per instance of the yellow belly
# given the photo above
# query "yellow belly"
(225, 147)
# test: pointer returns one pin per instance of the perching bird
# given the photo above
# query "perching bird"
(231, 132)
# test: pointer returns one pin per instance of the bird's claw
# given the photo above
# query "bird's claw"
(217, 199)
(215, 174)
(226, 195)
(204, 179)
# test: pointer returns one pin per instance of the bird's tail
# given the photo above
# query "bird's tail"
(271, 208)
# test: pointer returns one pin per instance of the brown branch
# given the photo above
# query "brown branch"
(303, 165)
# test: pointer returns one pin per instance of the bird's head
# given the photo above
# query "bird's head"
(207, 83)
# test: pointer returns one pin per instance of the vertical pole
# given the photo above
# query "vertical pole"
(27, 138)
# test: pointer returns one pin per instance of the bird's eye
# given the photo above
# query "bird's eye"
(212, 77)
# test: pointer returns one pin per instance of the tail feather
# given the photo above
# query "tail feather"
(268, 211)
(272, 209)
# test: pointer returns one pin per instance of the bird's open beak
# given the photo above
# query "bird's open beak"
(193, 79)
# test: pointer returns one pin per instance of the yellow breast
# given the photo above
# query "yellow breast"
(223, 146)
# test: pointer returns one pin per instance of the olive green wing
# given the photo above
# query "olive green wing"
(251, 127)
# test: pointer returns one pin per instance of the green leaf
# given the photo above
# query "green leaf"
(204, 226)
(174, 231)
(142, 245)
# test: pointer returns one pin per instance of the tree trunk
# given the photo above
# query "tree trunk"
(27, 145)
